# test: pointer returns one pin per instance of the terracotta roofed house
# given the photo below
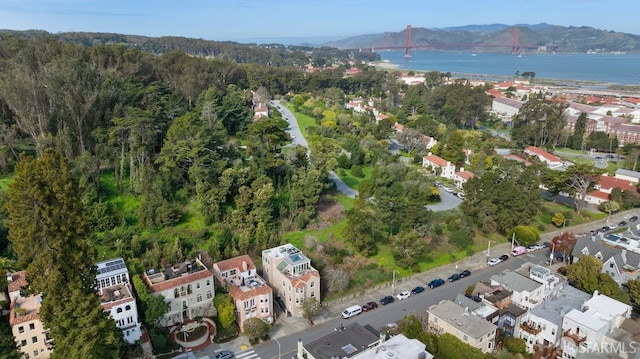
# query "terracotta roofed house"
(552, 161)
(252, 296)
(29, 333)
(187, 286)
(447, 169)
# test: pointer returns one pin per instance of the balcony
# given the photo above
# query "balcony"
(576, 338)
(530, 328)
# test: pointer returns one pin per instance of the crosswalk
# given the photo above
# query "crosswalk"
(248, 354)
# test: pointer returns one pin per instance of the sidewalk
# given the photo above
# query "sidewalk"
(331, 309)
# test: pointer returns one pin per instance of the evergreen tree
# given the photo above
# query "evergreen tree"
(49, 233)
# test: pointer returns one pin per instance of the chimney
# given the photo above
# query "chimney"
(244, 266)
(383, 337)
(623, 254)
(9, 277)
(300, 349)
(595, 293)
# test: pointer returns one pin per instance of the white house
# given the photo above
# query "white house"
(116, 297)
(462, 177)
(552, 161)
(527, 293)
(446, 168)
(589, 326)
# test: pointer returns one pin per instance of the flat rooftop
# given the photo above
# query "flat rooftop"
(556, 307)
(398, 347)
(346, 343)
(458, 317)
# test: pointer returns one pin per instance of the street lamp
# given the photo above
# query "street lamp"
(279, 352)
(489, 250)
(393, 284)
(564, 223)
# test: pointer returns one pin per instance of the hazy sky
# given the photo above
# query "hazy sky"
(252, 20)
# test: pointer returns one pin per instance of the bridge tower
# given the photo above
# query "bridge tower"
(407, 42)
(516, 39)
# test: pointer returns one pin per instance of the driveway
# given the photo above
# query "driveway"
(298, 139)
(449, 201)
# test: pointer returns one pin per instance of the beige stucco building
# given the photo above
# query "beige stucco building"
(448, 317)
(251, 294)
(289, 272)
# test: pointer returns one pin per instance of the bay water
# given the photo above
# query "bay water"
(592, 69)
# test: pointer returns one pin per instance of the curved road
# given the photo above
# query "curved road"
(298, 139)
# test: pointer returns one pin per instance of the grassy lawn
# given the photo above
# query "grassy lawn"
(570, 150)
(353, 181)
(304, 121)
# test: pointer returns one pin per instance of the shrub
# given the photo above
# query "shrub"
(515, 345)
(356, 171)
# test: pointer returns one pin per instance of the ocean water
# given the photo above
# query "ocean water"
(602, 69)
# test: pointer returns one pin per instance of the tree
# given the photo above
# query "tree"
(337, 279)
(538, 122)
(558, 219)
(153, 307)
(255, 329)
(451, 347)
(310, 308)
(584, 273)
(525, 235)
(564, 244)
(577, 139)
(226, 310)
(581, 178)
(634, 290)
(515, 345)
(49, 233)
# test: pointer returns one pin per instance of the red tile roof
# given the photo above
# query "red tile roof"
(19, 319)
(599, 194)
(238, 294)
(549, 157)
(608, 182)
(517, 158)
(436, 160)
(633, 100)
(399, 127)
(495, 93)
(18, 280)
(465, 174)
(236, 263)
(176, 282)
(301, 281)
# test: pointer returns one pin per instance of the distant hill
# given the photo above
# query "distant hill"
(499, 38)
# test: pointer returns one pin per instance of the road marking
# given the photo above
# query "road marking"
(248, 355)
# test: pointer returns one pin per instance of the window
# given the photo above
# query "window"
(34, 339)
(199, 298)
(20, 329)
(198, 285)
(119, 310)
(611, 265)
(35, 353)
(312, 284)
(32, 326)
(128, 307)
(23, 343)
(208, 282)
(313, 294)
(553, 331)
(209, 295)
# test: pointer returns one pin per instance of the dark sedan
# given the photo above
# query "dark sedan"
(418, 289)
(465, 273)
(386, 300)
(369, 306)
(454, 277)
(503, 257)
(436, 283)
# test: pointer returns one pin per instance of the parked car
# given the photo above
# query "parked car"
(493, 261)
(369, 306)
(225, 354)
(454, 277)
(404, 295)
(546, 245)
(622, 224)
(613, 226)
(465, 273)
(418, 289)
(531, 248)
(436, 283)
(519, 250)
(539, 246)
(633, 218)
(503, 257)
(386, 300)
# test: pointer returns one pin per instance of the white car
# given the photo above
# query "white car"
(403, 295)
(493, 261)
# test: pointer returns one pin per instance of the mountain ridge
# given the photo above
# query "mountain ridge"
(540, 37)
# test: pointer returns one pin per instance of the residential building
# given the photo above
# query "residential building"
(448, 317)
(604, 187)
(362, 342)
(461, 177)
(30, 335)
(482, 309)
(289, 272)
(552, 161)
(542, 325)
(618, 262)
(510, 319)
(505, 108)
(251, 294)
(527, 293)
(116, 297)
(590, 325)
(628, 175)
(439, 166)
(187, 286)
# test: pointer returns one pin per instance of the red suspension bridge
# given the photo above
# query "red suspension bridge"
(515, 45)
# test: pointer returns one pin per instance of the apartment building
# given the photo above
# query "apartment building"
(289, 272)
(116, 297)
(31, 337)
(448, 317)
(251, 294)
(526, 292)
(439, 166)
(187, 286)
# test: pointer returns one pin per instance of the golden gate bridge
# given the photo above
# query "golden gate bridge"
(408, 46)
